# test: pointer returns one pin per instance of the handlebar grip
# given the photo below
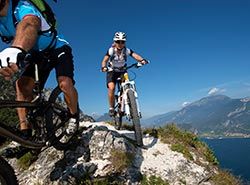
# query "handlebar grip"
(23, 59)
(138, 65)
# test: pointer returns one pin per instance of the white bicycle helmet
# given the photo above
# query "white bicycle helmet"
(120, 36)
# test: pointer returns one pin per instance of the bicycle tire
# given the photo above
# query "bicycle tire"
(58, 113)
(7, 173)
(118, 121)
(2, 140)
(135, 118)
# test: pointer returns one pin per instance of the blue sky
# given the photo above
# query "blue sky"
(196, 48)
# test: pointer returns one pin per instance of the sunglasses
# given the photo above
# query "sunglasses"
(120, 42)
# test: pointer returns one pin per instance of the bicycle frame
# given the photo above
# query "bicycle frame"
(39, 104)
(124, 85)
(8, 132)
(37, 110)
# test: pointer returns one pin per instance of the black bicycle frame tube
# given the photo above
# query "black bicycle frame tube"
(17, 104)
(10, 134)
(13, 135)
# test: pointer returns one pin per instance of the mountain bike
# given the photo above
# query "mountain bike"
(127, 103)
(49, 119)
(48, 116)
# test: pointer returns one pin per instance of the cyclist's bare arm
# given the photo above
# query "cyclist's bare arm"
(26, 36)
(27, 32)
(138, 58)
(104, 62)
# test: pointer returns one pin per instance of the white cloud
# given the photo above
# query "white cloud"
(215, 90)
(184, 104)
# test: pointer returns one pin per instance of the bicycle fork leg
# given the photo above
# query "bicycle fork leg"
(137, 104)
(126, 105)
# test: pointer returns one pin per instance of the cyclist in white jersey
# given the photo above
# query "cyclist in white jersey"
(113, 62)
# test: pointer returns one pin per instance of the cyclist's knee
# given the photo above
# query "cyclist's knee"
(111, 90)
(24, 86)
(111, 86)
(65, 84)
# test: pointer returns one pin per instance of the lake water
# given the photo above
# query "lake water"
(233, 154)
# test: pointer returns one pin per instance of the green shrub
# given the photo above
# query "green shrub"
(151, 131)
(26, 160)
(210, 156)
(182, 149)
(185, 142)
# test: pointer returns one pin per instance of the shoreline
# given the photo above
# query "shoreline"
(224, 137)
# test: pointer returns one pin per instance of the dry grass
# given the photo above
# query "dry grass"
(121, 160)
(185, 142)
(153, 180)
(225, 178)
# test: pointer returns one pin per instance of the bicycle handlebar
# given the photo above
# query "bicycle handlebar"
(124, 68)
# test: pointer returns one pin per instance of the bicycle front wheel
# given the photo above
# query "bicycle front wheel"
(57, 119)
(7, 174)
(135, 118)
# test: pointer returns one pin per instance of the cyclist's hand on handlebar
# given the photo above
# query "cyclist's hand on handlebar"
(141, 63)
(9, 61)
(104, 69)
(144, 61)
(10, 56)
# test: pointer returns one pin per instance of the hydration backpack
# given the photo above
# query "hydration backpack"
(124, 53)
(45, 10)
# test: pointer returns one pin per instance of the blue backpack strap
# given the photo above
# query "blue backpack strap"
(7, 39)
(14, 5)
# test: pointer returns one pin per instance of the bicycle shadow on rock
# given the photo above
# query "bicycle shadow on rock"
(148, 140)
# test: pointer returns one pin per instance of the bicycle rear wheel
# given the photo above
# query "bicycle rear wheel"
(135, 118)
(7, 174)
(57, 119)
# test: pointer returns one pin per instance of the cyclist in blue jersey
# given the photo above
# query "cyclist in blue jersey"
(113, 62)
(26, 29)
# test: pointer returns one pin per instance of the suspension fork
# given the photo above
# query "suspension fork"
(130, 86)
(137, 103)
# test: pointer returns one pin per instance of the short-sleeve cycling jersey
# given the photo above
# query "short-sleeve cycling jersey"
(116, 59)
(23, 9)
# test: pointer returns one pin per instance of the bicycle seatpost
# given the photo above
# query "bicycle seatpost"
(36, 89)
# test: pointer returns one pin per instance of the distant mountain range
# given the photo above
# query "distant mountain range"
(216, 115)
(104, 117)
